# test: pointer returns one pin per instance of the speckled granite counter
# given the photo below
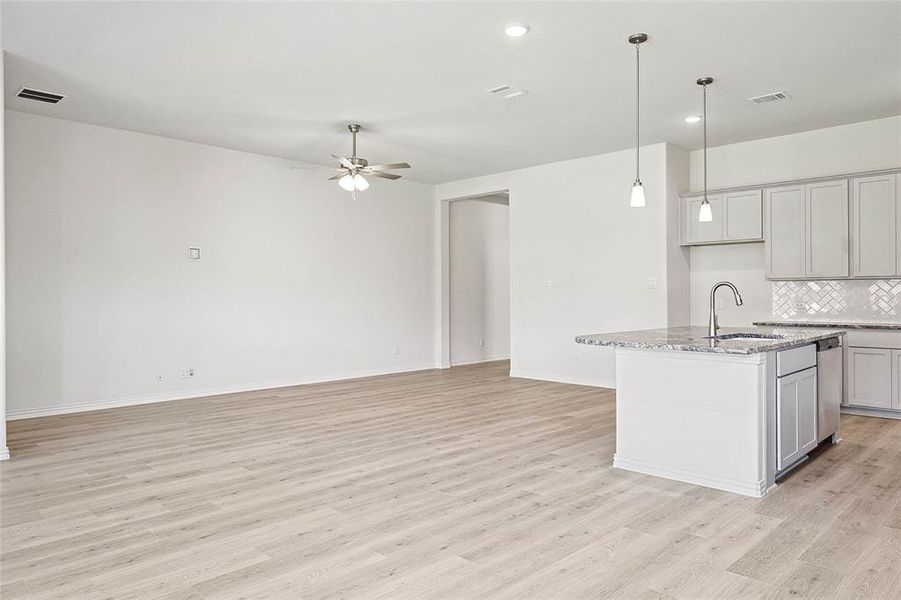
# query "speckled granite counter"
(833, 324)
(694, 339)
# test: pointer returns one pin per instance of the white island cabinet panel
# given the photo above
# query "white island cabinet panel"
(717, 439)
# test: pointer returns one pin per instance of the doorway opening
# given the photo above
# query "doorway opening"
(478, 279)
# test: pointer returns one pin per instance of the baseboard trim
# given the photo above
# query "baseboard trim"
(599, 383)
(4, 453)
(755, 489)
(477, 359)
(64, 409)
(861, 411)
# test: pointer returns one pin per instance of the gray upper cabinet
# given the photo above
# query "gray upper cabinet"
(703, 233)
(743, 216)
(841, 228)
(785, 231)
(826, 222)
(874, 226)
(737, 217)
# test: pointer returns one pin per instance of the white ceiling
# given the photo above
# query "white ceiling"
(284, 78)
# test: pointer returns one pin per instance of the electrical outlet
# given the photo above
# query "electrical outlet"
(396, 349)
(546, 284)
(193, 253)
(187, 372)
(481, 342)
(652, 283)
(159, 378)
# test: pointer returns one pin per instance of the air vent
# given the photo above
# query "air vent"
(507, 92)
(39, 95)
(774, 97)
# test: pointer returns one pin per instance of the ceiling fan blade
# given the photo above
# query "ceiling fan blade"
(339, 175)
(344, 161)
(383, 175)
(387, 166)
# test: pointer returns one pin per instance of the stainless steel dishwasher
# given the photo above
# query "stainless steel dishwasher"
(829, 389)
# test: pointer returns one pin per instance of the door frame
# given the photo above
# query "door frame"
(443, 294)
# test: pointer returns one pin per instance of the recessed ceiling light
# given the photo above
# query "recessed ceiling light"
(693, 119)
(517, 29)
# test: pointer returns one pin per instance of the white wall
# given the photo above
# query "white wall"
(571, 226)
(866, 146)
(297, 282)
(4, 451)
(870, 145)
(479, 280)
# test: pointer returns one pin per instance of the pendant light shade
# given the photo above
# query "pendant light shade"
(637, 200)
(705, 214)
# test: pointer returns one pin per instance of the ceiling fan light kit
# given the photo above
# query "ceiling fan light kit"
(637, 200)
(351, 170)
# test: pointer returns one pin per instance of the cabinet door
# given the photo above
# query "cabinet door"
(796, 417)
(785, 232)
(743, 216)
(827, 228)
(873, 226)
(896, 379)
(869, 373)
(697, 232)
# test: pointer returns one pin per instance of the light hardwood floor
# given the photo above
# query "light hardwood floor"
(455, 484)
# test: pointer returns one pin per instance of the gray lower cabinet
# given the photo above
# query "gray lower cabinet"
(796, 423)
(871, 373)
(896, 379)
(874, 226)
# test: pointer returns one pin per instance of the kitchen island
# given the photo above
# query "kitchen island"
(731, 412)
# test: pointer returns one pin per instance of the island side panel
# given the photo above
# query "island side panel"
(695, 417)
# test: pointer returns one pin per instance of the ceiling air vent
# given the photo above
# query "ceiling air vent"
(774, 97)
(508, 92)
(39, 95)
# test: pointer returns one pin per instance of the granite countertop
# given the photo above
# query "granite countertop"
(837, 324)
(694, 339)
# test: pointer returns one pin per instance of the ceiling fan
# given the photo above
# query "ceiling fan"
(351, 170)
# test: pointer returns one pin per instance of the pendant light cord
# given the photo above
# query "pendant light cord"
(637, 107)
(705, 143)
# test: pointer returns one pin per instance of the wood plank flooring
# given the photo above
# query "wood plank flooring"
(454, 484)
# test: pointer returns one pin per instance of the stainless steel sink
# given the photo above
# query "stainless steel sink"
(748, 335)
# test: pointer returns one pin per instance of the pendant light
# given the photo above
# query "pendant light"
(705, 214)
(637, 200)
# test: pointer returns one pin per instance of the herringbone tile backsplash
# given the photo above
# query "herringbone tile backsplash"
(873, 300)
